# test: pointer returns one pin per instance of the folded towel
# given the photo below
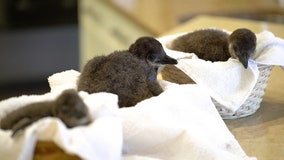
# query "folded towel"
(102, 139)
(181, 123)
(269, 50)
(63, 80)
(228, 82)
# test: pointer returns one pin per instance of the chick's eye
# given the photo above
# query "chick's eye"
(151, 57)
(65, 109)
(236, 49)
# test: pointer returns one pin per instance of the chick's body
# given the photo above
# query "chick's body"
(122, 74)
(207, 44)
(131, 74)
(217, 45)
(68, 106)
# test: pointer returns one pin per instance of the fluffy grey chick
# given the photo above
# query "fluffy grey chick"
(217, 45)
(68, 106)
(131, 74)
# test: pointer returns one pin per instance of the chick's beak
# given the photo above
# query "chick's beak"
(168, 60)
(243, 58)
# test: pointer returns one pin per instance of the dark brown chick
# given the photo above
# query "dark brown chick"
(216, 45)
(68, 107)
(131, 74)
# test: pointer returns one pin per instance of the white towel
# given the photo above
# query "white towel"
(181, 123)
(102, 139)
(229, 82)
(269, 49)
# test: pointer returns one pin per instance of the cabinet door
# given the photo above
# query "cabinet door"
(104, 30)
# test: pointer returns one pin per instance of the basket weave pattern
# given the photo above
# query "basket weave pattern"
(250, 106)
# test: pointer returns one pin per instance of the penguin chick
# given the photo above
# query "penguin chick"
(242, 44)
(131, 74)
(68, 107)
(216, 45)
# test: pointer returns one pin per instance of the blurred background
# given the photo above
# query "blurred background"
(42, 37)
(37, 38)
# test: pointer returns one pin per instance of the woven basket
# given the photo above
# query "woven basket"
(250, 106)
(48, 150)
